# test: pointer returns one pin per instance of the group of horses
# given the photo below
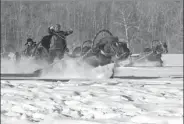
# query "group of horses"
(97, 53)
(107, 50)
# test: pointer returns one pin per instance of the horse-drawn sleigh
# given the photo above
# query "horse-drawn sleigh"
(93, 52)
(102, 52)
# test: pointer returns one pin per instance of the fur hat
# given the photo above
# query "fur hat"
(29, 40)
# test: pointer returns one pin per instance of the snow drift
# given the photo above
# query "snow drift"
(67, 68)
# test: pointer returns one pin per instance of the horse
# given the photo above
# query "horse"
(155, 52)
(123, 51)
(105, 50)
(102, 52)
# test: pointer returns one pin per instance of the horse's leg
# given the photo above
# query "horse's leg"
(158, 58)
(161, 61)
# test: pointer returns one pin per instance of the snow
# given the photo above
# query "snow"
(173, 59)
(69, 68)
(92, 102)
(168, 59)
(96, 101)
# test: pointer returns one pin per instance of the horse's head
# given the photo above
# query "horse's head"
(159, 47)
(122, 50)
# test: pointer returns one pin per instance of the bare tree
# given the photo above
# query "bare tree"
(126, 12)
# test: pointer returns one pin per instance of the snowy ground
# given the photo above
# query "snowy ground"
(114, 101)
(99, 101)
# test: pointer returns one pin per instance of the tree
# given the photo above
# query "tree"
(127, 19)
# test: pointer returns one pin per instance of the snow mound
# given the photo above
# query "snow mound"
(67, 68)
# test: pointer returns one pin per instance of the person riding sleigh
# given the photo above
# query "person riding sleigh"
(30, 44)
(55, 42)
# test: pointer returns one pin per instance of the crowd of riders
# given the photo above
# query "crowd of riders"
(55, 44)
(55, 39)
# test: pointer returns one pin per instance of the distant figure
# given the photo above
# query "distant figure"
(11, 56)
(156, 51)
(30, 44)
(6, 49)
(17, 57)
(158, 47)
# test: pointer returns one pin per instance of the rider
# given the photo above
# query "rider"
(158, 47)
(58, 43)
(30, 45)
(46, 40)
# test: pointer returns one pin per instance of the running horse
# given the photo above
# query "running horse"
(158, 48)
(154, 53)
(109, 49)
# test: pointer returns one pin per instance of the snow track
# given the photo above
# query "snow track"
(137, 96)
(104, 101)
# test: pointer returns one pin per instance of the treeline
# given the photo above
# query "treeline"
(136, 21)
